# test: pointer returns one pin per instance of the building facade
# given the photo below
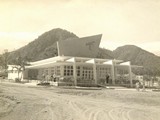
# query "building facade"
(13, 72)
(79, 70)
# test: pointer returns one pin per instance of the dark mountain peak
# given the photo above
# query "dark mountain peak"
(129, 52)
(138, 56)
(131, 49)
(128, 47)
(59, 33)
(44, 46)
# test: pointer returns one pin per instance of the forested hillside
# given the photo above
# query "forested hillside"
(43, 47)
(138, 56)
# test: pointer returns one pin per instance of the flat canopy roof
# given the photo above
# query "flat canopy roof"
(50, 62)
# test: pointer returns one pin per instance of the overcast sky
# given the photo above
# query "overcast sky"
(121, 22)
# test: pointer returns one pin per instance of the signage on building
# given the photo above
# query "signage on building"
(80, 47)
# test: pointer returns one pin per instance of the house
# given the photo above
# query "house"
(14, 73)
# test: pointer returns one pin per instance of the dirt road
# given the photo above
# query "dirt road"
(20, 102)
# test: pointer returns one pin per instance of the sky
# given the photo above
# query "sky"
(122, 22)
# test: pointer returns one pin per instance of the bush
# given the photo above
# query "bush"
(17, 80)
(3, 75)
(44, 83)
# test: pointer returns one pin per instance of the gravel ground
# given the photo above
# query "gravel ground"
(23, 102)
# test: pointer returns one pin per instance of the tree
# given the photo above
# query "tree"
(4, 61)
(20, 64)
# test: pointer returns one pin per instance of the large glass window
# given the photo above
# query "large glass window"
(78, 70)
(45, 71)
(68, 70)
(103, 71)
(52, 70)
(58, 72)
(87, 72)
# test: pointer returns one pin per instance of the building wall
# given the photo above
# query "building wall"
(32, 74)
(12, 75)
(84, 73)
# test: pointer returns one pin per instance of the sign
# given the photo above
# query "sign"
(80, 47)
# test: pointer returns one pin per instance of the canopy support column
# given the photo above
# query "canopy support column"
(113, 73)
(130, 74)
(73, 60)
(75, 73)
(95, 72)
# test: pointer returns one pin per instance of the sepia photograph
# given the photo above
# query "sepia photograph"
(79, 59)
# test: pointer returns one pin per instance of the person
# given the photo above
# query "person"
(47, 78)
(107, 78)
(143, 86)
(43, 77)
(51, 78)
(54, 78)
(137, 85)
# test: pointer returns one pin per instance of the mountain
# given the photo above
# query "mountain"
(138, 56)
(105, 54)
(43, 47)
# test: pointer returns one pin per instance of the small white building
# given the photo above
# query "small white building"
(13, 72)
